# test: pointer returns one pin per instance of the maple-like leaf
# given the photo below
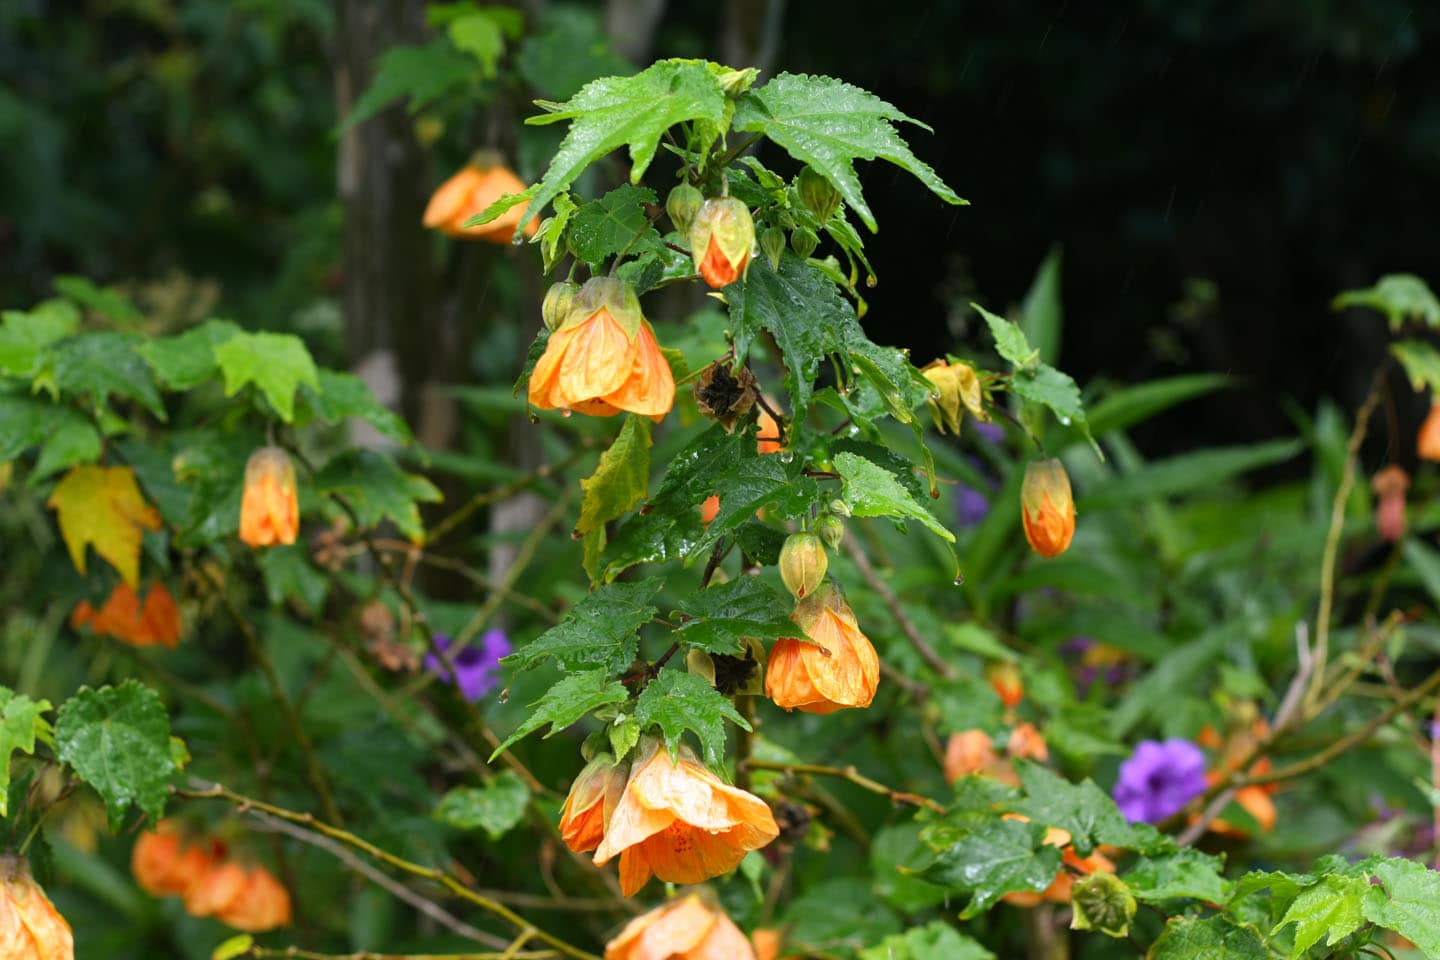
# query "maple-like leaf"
(103, 507)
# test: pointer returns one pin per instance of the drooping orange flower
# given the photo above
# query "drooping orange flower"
(722, 238)
(683, 929)
(1027, 743)
(1427, 443)
(971, 752)
(604, 358)
(156, 623)
(269, 507)
(165, 864)
(262, 903)
(837, 669)
(591, 801)
(30, 926)
(1047, 507)
(680, 822)
(247, 898)
(476, 186)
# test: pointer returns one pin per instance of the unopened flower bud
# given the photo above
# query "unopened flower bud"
(722, 238)
(557, 303)
(682, 205)
(839, 507)
(1390, 485)
(1047, 507)
(772, 241)
(1005, 680)
(802, 564)
(831, 530)
(269, 506)
(818, 194)
(591, 800)
(804, 241)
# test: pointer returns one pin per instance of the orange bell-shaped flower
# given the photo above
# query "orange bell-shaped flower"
(1047, 507)
(604, 358)
(1004, 678)
(261, 903)
(30, 926)
(683, 929)
(970, 752)
(722, 238)
(1427, 444)
(164, 864)
(837, 669)
(157, 623)
(475, 187)
(680, 822)
(591, 801)
(269, 507)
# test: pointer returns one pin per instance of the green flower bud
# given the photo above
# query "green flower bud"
(722, 238)
(831, 530)
(772, 241)
(558, 300)
(682, 205)
(818, 194)
(804, 241)
(608, 293)
(803, 564)
(839, 507)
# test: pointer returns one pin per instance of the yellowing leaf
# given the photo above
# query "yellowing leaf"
(103, 507)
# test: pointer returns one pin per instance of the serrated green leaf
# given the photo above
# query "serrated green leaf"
(187, 360)
(1400, 296)
(1083, 810)
(1409, 903)
(106, 301)
(1421, 362)
(1184, 873)
(872, 491)
(117, 739)
(676, 701)
(829, 124)
(634, 112)
(566, 702)
(75, 441)
(1010, 340)
(599, 630)
(1215, 938)
(24, 335)
(338, 396)
(614, 223)
(995, 858)
(1331, 908)
(761, 543)
(621, 478)
(722, 615)
(21, 724)
(726, 465)
(934, 941)
(623, 733)
(103, 365)
(27, 421)
(495, 808)
(276, 363)
(420, 73)
(803, 311)
(377, 490)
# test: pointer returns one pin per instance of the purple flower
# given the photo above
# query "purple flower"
(1159, 779)
(990, 432)
(477, 667)
(971, 506)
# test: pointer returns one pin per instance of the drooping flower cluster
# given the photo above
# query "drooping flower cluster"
(244, 896)
(603, 358)
(663, 817)
(30, 926)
